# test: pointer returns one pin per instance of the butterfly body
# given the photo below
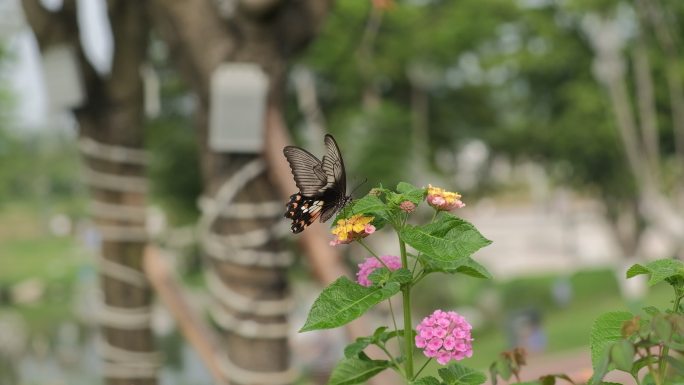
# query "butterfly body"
(321, 183)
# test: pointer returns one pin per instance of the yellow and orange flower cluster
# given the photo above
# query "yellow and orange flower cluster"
(355, 227)
(443, 200)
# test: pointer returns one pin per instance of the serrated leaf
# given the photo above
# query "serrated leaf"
(407, 192)
(606, 330)
(457, 374)
(344, 301)
(446, 240)
(429, 380)
(659, 270)
(622, 355)
(467, 266)
(354, 371)
(382, 276)
(356, 347)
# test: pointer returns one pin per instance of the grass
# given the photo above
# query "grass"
(27, 251)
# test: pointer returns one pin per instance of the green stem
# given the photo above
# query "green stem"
(394, 322)
(406, 297)
(391, 357)
(662, 362)
(421, 368)
(365, 246)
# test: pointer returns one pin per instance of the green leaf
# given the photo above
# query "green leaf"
(406, 192)
(352, 350)
(641, 363)
(382, 276)
(467, 266)
(503, 366)
(386, 336)
(662, 327)
(457, 374)
(446, 240)
(344, 301)
(377, 334)
(368, 205)
(622, 355)
(676, 364)
(354, 371)
(429, 380)
(660, 270)
(606, 330)
(550, 379)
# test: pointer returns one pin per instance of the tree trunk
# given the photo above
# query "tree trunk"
(246, 262)
(110, 124)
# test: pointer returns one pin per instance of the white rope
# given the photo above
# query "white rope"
(246, 376)
(225, 194)
(123, 233)
(122, 272)
(245, 257)
(112, 153)
(127, 364)
(125, 318)
(247, 239)
(115, 182)
(246, 327)
(115, 211)
(242, 210)
(239, 302)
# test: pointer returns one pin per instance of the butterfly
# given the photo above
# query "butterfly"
(322, 185)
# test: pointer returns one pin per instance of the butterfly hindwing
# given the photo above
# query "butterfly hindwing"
(303, 211)
(322, 185)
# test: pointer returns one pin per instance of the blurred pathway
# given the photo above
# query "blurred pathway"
(575, 363)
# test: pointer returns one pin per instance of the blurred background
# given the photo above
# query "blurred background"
(561, 122)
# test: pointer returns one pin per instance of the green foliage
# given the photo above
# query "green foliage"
(354, 371)
(445, 241)
(670, 270)
(445, 245)
(606, 331)
(343, 301)
(456, 374)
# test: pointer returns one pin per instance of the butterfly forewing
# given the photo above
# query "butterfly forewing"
(308, 171)
(322, 185)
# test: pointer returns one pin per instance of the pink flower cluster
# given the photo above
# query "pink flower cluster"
(443, 200)
(370, 264)
(445, 336)
(407, 206)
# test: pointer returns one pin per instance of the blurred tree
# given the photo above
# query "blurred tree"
(520, 76)
(108, 106)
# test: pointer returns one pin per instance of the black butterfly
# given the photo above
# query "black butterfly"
(322, 185)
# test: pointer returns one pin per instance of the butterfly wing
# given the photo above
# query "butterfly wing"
(335, 190)
(308, 171)
(303, 211)
(322, 185)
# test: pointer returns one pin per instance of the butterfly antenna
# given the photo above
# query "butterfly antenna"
(357, 186)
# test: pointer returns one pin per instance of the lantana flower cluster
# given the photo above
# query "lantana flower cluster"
(370, 264)
(445, 336)
(443, 200)
(355, 227)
